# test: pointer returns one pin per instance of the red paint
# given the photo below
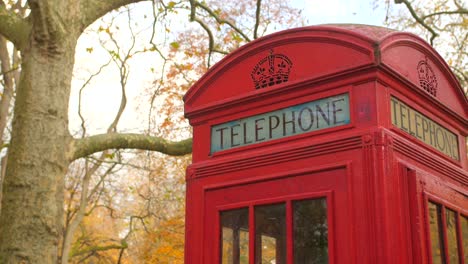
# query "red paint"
(377, 178)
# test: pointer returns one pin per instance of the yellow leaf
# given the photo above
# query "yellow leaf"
(175, 45)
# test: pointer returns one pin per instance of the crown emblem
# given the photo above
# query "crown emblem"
(271, 70)
(427, 78)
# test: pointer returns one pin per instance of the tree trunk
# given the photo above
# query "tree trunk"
(41, 148)
(3, 164)
(8, 90)
(31, 222)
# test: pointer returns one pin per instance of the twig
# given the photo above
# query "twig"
(419, 19)
(257, 18)
(83, 127)
(222, 21)
(456, 12)
(12, 70)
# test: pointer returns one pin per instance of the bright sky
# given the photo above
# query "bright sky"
(341, 11)
(102, 98)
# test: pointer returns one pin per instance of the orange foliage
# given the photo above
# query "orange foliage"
(166, 243)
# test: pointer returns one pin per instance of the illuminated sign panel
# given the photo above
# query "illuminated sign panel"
(316, 115)
(424, 129)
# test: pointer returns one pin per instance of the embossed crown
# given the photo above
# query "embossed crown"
(271, 70)
(427, 78)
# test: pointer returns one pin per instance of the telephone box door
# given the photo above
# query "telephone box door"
(284, 219)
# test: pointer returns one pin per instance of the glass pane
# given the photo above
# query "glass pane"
(235, 236)
(310, 231)
(436, 234)
(452, 242)
(464, 227)
(268, 249)
(270, 234)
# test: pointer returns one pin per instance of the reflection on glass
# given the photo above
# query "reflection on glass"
(270, 234)
(452, 244)
(464, 227)
(310, 231)
(235, 236)
(268, 249)
(436, 234)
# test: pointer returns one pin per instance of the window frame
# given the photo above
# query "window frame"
(459, 212)
(288, 200)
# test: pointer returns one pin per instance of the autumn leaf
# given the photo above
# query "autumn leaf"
(171, 5)
(175, 45)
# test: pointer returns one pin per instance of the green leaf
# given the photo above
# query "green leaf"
(175, 45)
(236, 37)
(114, 54)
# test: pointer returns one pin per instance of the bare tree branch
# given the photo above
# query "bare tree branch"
(419, 19)
(257, 18)
(94, 249)
(9, 76)
(80, 95)
(210, 37)
(90, 171)
(221, 21)
(12, 70)
(455, 12)
(211, 44)
(3, 163)
(94, 9)
(13, 27)
(9, 87)
(97, 143)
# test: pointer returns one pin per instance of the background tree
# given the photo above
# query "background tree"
(443, 23)
(45, 33)
(157, 229)
(9, 63)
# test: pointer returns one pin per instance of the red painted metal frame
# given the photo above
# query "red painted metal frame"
(441, 200)
(276, 200)
(328, 194)
(387, 175)
(423, 187)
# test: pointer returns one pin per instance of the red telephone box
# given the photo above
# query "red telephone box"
(328, 144)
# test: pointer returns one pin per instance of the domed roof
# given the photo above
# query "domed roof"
(322, 52)
(374, 33)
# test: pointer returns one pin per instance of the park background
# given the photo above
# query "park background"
(132, 67)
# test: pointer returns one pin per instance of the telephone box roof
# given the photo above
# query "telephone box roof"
(325, 52)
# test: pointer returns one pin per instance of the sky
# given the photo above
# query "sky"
(101, 98)
(341, 11)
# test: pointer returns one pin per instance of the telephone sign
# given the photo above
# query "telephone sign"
(316, 115)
